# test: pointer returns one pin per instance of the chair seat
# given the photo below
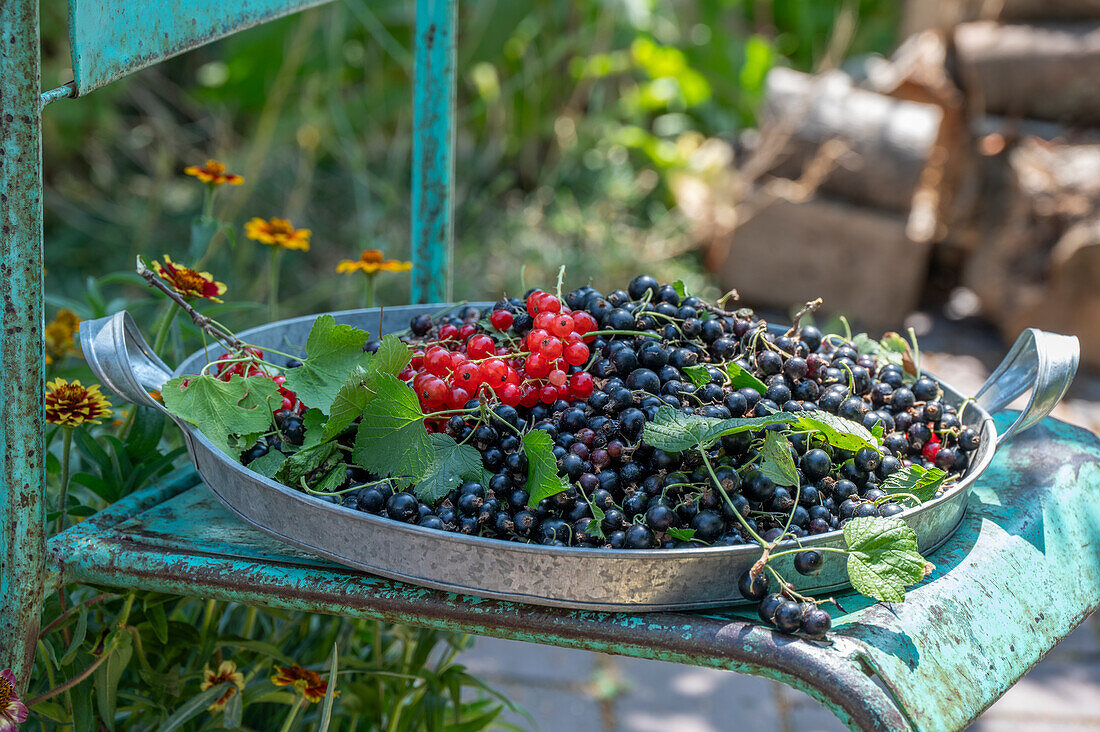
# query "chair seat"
(1021, 572)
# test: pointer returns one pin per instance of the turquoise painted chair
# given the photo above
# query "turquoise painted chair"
(1022, 571)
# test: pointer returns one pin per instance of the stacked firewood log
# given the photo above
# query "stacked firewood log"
(975, 147)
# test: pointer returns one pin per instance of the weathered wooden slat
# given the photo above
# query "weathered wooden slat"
(433, 151)
(22, 370)
(1030, 524)
(112, 38)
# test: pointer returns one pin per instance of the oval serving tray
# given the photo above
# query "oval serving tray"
(571, 577)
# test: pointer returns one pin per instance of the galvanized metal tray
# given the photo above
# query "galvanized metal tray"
(594, 579)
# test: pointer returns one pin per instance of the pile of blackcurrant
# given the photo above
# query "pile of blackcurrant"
(591, 369)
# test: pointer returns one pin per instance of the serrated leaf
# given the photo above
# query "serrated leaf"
(331, 480)
(895, 343)
(314, 422)
(681, 290)
(674, 431)
(883, 559)
(699, 375)
(452, 463)
(681, 534)
(223, 409)
(864, 344)
(392, 440)
(268, 464)
(349, 402)
(332, 352)
(776, 462)
(837, 431)
(740, 378)
(878, 431)
(391, 357)
(315, 461)
(917, 480)
(543, 480)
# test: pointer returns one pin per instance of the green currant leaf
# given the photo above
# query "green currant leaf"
(681, 290)
(776, 462)
(864, 345)
(917, 480)
(878, 431)
(391, 358)
(674, 431)
(332, 353)
(883, 559)
(349, 403)
(681, 534)
(837, 431)
(595, 526)
(314, 421)
(740, 378)
(392, 440)
(268, 465)
(542, 468)
(330, 480)
(223, 409)
(698, 374)
(312, 463)
(452, 463)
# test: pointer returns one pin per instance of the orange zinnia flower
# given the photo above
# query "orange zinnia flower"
(59, 335)
(187, 282)
(371, 261)
(227, 671)
(278, 232)
(71, 405)
(309, 683)
(213, 174)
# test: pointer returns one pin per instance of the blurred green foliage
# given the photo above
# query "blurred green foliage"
(572, 118)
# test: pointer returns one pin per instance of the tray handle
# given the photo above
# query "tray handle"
(1040, 361)
(122, 360)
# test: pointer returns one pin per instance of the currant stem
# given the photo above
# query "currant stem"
(741, 519)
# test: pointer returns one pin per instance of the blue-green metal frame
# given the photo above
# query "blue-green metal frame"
(110, 39)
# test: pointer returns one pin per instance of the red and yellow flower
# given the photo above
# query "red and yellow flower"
(227, 671)
(213, 174)
(308, 683)
(13, 712)
(372, 261)
(278, 232)
(72, 404)
(187, 282)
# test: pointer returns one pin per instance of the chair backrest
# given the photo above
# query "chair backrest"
(110, 39)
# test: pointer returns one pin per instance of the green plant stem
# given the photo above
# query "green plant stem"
(165, 328)
(741, 519)
(208, 616)
(69, 613)
(249, 622)
(273, 292)
(785, 552)
(51, 693)
(291, 716)
(368, 292)
(63, 495)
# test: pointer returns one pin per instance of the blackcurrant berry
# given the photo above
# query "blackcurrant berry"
(816, 622)
(809, 562)
(788, 616)
(753, 588)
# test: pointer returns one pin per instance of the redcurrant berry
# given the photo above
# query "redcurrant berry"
(468, 376)
(581, 384)
(557, 377)
(437, 361)
(448, 332)
(501, 319)
(575, 354)
(584, 323)
(536, 366)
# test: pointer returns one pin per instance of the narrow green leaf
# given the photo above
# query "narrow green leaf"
(233, 711)
(740, 378)
(883, 559)
(392, 440)
(159, 621)
(917, 480)
(543, 480)
(221, 409)
(79, 634)
(777, 463)
(194, 706)
(330, 692)
(332, 352)
(107, 676)
(451, 464)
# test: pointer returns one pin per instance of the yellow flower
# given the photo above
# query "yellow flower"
(213, 173)
(371, 261)
(71, 405)
(278, 232)
(309, 683)
(227, 671)
(59, 335)
(187, 282)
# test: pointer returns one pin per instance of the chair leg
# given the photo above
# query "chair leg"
(22, 376)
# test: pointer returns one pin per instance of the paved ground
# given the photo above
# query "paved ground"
(580, 691)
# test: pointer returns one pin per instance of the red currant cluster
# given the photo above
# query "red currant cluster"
(545, 365)
(248, 364)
